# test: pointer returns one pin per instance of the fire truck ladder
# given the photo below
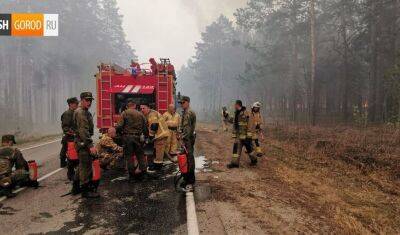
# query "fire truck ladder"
(163, 87)
(106, 104)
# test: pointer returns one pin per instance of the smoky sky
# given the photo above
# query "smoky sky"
(170, 28)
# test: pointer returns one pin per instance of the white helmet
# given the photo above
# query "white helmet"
(257, 105)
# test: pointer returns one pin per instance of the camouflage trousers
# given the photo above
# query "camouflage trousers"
(190, 177)
(238, 147)
(15, 178)
(84, 172)
(109, 160)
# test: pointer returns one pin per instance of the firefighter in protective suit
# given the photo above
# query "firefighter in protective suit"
(242, 135)
(158, 134)
(10, 158)
(257, 127)
(172, 119)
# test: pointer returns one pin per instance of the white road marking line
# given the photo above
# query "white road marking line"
(49, 174)
(40, 179)
(40, 145)
(191, 217)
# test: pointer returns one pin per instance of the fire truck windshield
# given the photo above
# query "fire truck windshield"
(120, 101)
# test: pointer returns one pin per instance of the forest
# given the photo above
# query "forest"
(39, 74)
(307, 61)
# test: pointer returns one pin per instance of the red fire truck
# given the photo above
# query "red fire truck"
(154, 85)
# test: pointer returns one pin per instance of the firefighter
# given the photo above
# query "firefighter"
(225, 119)
(10, 158)
(158, 134)
(257, 127)
(83, 127)
(132, 126)
(108, 151)
(68, 135)
(172, 119)
(188, 136)
(242, 135)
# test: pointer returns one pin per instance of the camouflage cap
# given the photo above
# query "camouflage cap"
(72, 100)
(184, 98)
(7, 138)
(87, 95)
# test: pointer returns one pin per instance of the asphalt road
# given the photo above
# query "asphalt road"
(151, 207)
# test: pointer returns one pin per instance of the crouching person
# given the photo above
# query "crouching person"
(11, 157)
(108, 151)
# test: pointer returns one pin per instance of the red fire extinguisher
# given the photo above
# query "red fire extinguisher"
(96, 170)
(33, 170)
(72, 154)
(182, 161)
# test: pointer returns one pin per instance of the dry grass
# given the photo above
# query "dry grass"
(313, 180)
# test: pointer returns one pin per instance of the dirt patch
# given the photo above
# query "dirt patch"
(310, 181)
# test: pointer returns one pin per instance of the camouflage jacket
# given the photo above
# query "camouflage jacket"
(11, 157)
(132, 122)
(67, 122)
(188, 125)
(107, 145)
(83, 127)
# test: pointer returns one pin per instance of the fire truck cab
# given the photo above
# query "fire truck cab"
(154, 85)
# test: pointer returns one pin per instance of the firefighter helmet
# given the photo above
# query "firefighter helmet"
(257, 105)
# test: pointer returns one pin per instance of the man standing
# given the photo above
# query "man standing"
(188, 136)
(132, 125)
(242, 134)
(158, 134)
(172, 119)
(225, 119)
(11, 158)
(68, 133)
(257, 127)
(83, 127)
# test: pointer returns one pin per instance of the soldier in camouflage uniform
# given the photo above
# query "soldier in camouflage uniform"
(68, 135)
(132, 125)
(108, 151)
(242, 134)
(188, 136)
(83, 128)
(10, 158)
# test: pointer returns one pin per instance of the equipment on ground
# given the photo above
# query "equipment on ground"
(72, 154)
(33, 170)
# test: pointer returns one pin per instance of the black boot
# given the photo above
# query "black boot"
(8, 193)
(34, 184)
(232, 165)
(87, 193)
(63, 162)
(253, 162)
(76, 188)
(158, 166)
